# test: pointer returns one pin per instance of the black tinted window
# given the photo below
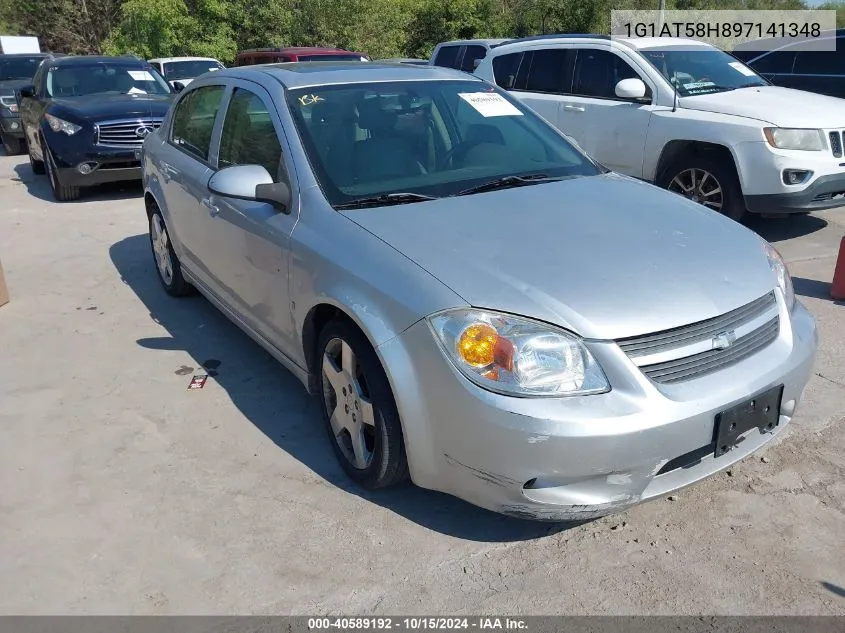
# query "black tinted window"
(447, 56)
(774, 62)
(597, 72)
(819, 63)
(548, 68)
(249, 137)
(471, 54)
(505, 68)
(193, 120)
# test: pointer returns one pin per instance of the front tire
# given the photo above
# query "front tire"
(359, 409)
(12, 145)
(709, 181)
(62, 193)
(167, 263)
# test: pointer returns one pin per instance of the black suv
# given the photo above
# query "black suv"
(821, 71)
(15, 71)
(86, 117)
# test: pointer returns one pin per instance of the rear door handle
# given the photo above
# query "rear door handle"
(573, 108)
(213, 209)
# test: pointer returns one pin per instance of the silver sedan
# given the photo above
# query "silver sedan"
(480, 307)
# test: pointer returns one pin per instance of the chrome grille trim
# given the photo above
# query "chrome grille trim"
(121, 133)
(711, 361)
(701, 331)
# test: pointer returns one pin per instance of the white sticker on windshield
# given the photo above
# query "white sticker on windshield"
(135, 91)
(140, 75)
(699, 84)
(490, 104)
(742, 68)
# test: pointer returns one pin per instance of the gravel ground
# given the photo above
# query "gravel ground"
(124, 493)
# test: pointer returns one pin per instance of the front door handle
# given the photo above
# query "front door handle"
(213, 209)
(573, 108)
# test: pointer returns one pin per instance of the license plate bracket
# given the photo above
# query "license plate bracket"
(761, 412)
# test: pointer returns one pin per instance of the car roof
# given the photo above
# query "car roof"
(636, 43)
(301, 50)
(302, 74)
(72, 60)
(166, 60)
(490, 42)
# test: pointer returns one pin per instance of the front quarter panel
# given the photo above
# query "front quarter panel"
(337, 262)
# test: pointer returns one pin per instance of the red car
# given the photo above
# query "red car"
(297, 54)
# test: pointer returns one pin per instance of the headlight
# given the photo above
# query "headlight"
(782, 276)
(10, 103)
(790, 138)
(517, 356)
(60, 125)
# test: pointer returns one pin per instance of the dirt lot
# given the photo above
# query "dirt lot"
(124, 493)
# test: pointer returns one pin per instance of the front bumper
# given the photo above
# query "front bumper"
(110, 164)
(10, 125)
(582, 457)
(825, 192)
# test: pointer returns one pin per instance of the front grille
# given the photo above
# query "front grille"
(124, 133)
(835, 143)
(700, 360)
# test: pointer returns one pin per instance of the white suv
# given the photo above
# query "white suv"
(725, 137)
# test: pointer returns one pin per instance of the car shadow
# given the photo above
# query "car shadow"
(785, 228)
(39, 187)
(815, 289)
(266, 394)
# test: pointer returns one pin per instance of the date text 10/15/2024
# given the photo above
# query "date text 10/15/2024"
(416, 623)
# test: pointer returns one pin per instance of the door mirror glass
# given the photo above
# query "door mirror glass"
(631, 89)
(178, 86)
(250, 182)
(28, 91)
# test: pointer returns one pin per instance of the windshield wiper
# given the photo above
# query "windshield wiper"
(384, 200)
(508, 182)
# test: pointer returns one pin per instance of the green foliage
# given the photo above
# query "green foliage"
(382, 28)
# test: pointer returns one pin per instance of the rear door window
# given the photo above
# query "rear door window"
(472, 53)
(819, 62)
(548, 71)
(775, 63)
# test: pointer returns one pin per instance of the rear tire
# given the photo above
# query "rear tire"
(12, 145)
(62, 193)
(707, 180)
(359, 410)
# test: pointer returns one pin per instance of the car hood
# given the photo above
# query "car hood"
(606, 256)
(98, 107)
(782, 107)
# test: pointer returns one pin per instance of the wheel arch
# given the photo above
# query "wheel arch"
(678, 149)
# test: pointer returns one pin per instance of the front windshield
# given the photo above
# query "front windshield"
(189, 69)
(19, 67)
(434, 138)
(701, 71)
(104, 78)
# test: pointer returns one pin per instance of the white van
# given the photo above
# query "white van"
(684, 115)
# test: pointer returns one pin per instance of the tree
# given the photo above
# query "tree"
(68, 26)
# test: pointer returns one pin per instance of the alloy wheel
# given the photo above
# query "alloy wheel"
(347, 400)
(161, 249)
(699, 185)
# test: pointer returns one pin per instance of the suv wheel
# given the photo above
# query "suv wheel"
(61, 192)
(708, 181)
(11, 145)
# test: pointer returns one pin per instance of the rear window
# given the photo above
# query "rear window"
(472, 54)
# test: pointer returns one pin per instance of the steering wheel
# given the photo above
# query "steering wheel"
(450, 154)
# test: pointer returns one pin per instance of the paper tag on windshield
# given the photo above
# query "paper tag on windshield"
(489, 104)
(741, 68)
(140, 75)
(135, 91)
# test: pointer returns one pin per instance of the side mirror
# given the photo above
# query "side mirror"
(250, 182)
(28, 91)
(631, 89)
(178, 86)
